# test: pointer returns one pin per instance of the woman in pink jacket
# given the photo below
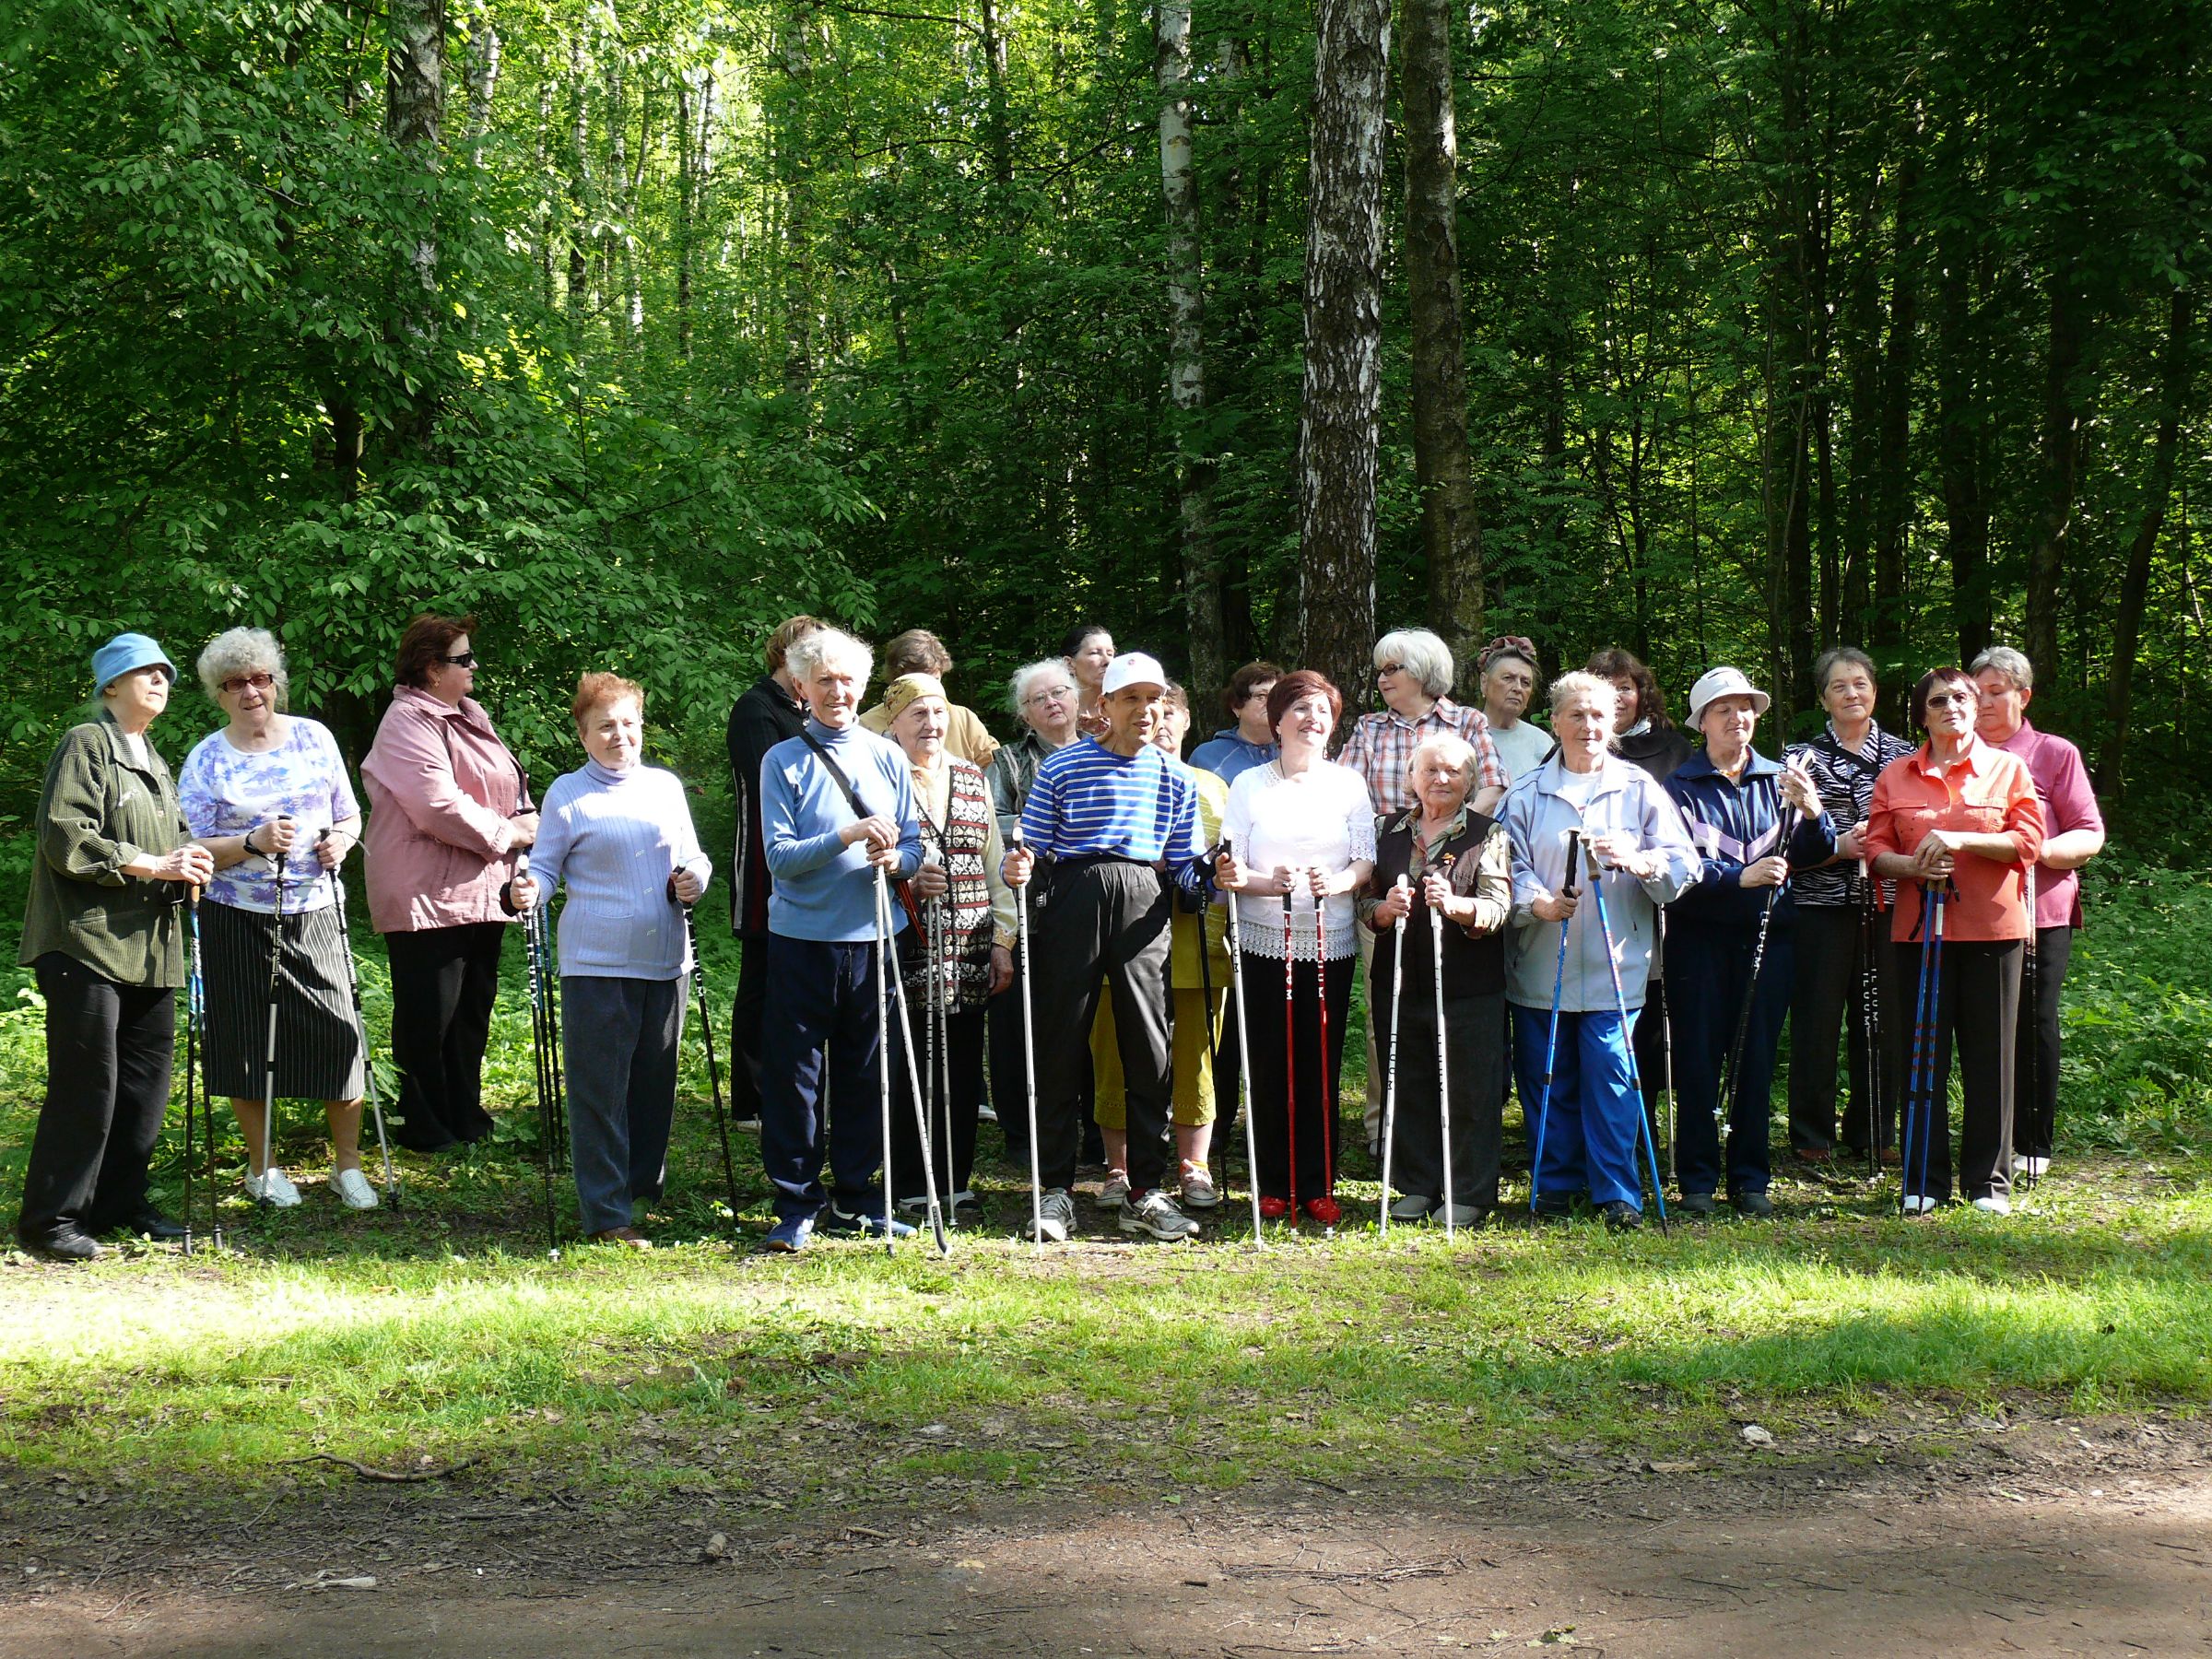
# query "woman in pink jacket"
(449, 808)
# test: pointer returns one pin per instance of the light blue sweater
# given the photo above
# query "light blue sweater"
(826, 890)
(616, 838)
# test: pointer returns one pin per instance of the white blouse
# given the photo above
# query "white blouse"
(1320, 820)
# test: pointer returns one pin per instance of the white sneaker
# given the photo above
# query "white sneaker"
(354, 1188)
(1413, 1206)
(273, 1188)
(1058, 1218)
(1156, 1216)
(1995, 1203)
(2034, 1168)
(986, 1113)
(1116, 1188)
(1198, 1189)
(1919, 1203)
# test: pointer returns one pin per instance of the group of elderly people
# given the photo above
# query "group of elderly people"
(1593, 915)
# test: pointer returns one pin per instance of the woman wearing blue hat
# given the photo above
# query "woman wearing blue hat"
(102, 932)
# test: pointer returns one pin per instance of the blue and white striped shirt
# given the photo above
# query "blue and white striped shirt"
(1087, 801)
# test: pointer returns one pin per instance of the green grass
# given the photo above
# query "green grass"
(444, 1332)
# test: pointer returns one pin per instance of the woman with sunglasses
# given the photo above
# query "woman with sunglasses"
(268, 797)
(1960, 814)
(449, 808)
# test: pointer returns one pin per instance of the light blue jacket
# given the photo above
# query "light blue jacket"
(824, 890)
(1537, 816)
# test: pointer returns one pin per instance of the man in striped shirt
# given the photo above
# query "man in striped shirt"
(1118, 824)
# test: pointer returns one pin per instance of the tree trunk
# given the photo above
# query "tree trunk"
(580, 189)
(1893, 441)
(792, 167)
(481, 72)
(1793, 373)
(1450, 531)
(622, 189)
(1342, 390)
(2061, 457)
(1961, 444)
(415, 122)
(1186, 352)
(2134, 584)
(999, 134)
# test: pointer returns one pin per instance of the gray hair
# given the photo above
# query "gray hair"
(2013, 664)
(1835, 657)
(1421, 654)
(833, 646)
(1568, 688)
(244, 651)
(1450, 747)
(1017, 688)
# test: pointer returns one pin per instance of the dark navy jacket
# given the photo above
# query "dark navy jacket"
(1732, 825)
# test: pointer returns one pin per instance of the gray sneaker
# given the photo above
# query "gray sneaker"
(1198, 1189)
(1057, 1218)
(1115, 1189)
(1413, 1206)
(1155, 1215)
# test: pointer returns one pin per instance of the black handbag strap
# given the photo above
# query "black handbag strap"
(900, 885)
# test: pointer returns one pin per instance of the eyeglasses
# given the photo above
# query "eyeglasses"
(1389, 668)
(1951, 699)
(467, 659)
(1052, 694)
(239, 682)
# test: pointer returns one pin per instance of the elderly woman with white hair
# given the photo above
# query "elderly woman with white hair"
(1413, 671)
(1578, 1091)
(267, 796)
(1458, 863)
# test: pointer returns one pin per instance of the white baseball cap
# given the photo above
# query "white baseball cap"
(1724, 682)
(1132, 669)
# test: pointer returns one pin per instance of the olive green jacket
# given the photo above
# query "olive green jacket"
(100, 810)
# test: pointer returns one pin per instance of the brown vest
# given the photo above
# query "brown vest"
(959, 843)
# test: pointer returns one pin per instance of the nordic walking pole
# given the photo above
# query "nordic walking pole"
(940, 1043)
(1443, 1069)
(1551, 1044)
(195, 1020)
(1328, 1097)
(706, 1031)
(1667, 1055)
(1923, 1042)
(1390, 1087)
(1935, 1068)
(2032, 976)
(1290, 1053)
(1724, 1105)
(534, 977)
(1620, 1006)
(1028, 1049)
(1870, 1015)
(361, 1030)
(1236, 981)
(883, 1048)
(280, 862)
(906, 1035)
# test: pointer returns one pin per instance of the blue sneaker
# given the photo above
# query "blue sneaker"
(868, 1226)
(788, 1236)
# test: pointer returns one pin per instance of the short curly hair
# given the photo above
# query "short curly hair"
(244, 651)
(599, 686)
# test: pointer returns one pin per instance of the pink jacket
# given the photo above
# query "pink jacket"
(442, 788)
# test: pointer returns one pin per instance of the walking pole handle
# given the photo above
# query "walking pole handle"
(1574, 852)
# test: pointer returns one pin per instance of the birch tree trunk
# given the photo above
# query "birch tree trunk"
(1342, 390)
(792, 164)
(480, 72)
(2061, 457)
(1450, 531)
(1186, 350)
(415, 122)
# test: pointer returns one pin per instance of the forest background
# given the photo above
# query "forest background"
(1721, 331)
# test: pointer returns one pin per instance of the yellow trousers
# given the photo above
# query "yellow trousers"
(1193, 1057)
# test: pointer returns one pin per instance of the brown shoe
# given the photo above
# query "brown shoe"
(623, 1235)
(1811, 1155)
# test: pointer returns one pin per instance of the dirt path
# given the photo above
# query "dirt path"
(2053, 1538)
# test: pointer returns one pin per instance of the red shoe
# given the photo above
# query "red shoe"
(1274, 1209)
(1326, 1211)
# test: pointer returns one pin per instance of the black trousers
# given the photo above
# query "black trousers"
(822, 997)
(2035, 1057)
(1105, 925)
(1314, 1130)
(1475, 1057)
(962, 1085)
(1978, 1008)
(1828, 1000)
(745, 1010)
(108, 1054)
(444, 982)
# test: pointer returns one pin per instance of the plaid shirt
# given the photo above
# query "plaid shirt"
(1381, 750)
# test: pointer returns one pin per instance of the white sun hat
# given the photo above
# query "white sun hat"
(1132, 669)
(1724, 682)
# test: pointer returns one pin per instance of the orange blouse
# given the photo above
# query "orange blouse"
(1985, 792)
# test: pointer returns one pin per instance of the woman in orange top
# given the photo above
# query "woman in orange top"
(1958, 809)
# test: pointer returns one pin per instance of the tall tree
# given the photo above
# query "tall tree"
(1443, 464)
(1187, 346)
(415, 122)
(1341, 390)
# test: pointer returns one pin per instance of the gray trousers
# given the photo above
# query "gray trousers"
(618, 1041)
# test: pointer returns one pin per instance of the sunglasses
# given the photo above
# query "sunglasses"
(467, 659)
(239, 682)
(1951, 699)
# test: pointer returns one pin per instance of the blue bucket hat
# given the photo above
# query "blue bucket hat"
(121, 654)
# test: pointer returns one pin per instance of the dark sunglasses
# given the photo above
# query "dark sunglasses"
(467, 659)
(239, 682)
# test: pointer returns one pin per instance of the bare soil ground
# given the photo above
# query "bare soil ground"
(1972, 1535)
